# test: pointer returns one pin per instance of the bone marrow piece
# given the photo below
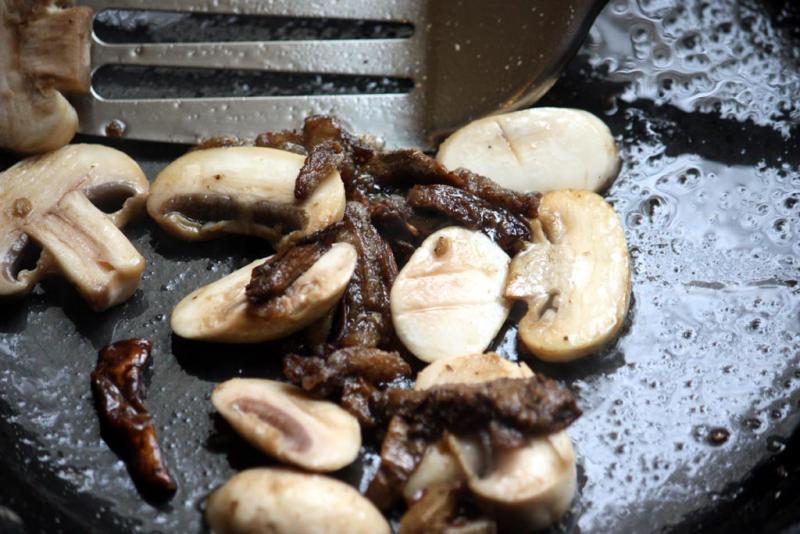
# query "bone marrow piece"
(284, 422)
(242, 190)
(45, 53)
(117, 388)
(49, 201)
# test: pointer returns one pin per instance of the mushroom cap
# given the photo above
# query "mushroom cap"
(49, 200)
(221, 311)
(281, 501)
(538, 149)
(283, 421)
(575, 277)
(523, 489)
(448, 299)
(241, 190)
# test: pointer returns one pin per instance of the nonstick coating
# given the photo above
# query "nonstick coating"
(702, 98)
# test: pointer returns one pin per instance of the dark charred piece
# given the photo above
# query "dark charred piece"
(276, 274)
(365, 312)
(507, 230)
(323, 159)
(288, 140)
(401, 452)
(510, 409)
(351, 375)
(117, 388)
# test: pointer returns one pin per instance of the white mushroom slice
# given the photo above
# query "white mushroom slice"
(283, 421)
(241, 190)
(437, 466)
(523, 489)
(51, 201)
(539, 149)
(221, 312)
(448, 300)
(575, 277)
(45, 51)
(280, 501)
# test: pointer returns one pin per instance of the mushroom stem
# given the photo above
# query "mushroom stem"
(90, 251)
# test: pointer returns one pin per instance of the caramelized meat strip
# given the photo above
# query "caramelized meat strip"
(288, 140)
(520, 204)
(509, 408)
(401, 451)
(322, 160)
(353, 375)
(366, 315)
(467, 209)
(270, 279)
(218, 142)
(117, 388)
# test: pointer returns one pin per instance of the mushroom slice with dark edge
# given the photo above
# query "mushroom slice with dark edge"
(45, 51)
(575, 277)
(284, 422)
(221, 311)
(281, 501)
(53, 201)
(117, 387)
(526, 487)
(242, 190)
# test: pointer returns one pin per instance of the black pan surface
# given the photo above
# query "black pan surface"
(702, 98)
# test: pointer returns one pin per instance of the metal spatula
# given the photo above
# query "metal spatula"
(467, 58)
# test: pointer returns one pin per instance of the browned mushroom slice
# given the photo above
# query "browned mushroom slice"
(45, 52)
(284, 422)
(222, 312)
(50, 201)
(524, 488)
(241, 190)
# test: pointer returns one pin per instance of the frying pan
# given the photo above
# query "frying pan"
(689, 418)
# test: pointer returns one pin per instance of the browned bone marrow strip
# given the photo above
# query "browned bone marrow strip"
(274, 276)
(322, 160)
(366, 314)
(467, 209)
(508, 408)
(288, 140)
(352, 375)
(401, 452)
(117, 388)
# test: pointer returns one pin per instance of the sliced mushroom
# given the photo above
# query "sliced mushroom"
(241, 190)
(539, 149)
(45, 52)
(283, 421)
(523, 489)
(448, 299)
(221, 311)
(280, 501)
(575, 277)
(50, 201)
(438, 466)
